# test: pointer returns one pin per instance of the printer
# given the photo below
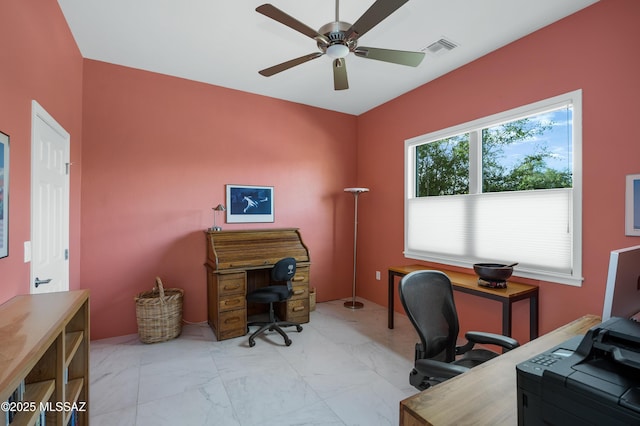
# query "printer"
(587, 380)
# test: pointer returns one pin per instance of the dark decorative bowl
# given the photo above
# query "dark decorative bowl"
(493, 271)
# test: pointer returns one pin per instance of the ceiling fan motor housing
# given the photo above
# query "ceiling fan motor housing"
(336, 34)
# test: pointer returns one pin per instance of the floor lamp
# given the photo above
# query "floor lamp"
(352, 304)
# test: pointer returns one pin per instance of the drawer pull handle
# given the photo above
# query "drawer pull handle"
(232, 320)
(298, 308)
(298, 292)
(231, 302)
(232, 287)
(298, 278)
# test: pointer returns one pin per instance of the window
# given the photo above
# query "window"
(504, 188)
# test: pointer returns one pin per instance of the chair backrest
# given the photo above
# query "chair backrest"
(427, 298)
(284, 270)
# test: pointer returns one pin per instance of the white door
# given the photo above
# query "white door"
(49, 203)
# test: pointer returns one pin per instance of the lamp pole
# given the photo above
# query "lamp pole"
(218, 208)
(352, 304)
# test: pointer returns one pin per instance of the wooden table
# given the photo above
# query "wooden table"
(468, 283)
(486, 395)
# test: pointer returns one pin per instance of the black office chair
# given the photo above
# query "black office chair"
(427, 298)
(283, 271)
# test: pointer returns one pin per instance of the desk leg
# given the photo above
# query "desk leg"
(390, 300)
(506, 318)
(533, 317)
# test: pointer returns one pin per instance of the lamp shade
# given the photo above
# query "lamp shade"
(356, 190)
(336, 51)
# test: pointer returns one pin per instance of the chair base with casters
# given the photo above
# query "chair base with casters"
(427, 297)
(273, 324)
(283, 270)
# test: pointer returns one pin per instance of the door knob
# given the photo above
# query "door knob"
(39, 281)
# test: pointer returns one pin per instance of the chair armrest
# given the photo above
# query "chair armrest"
(492, 339)
(439, 369)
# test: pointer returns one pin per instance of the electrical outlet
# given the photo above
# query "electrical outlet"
(378, 275)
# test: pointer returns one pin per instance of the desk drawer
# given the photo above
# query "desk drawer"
(301, 276)
(295, 310)
(300, 292)
(231, 324)
(231, 284)
(232, 302)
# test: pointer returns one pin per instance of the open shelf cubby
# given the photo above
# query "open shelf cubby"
(45, 347)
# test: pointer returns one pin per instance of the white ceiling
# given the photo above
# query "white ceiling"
(226, 43)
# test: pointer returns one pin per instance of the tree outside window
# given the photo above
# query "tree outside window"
(526, 154)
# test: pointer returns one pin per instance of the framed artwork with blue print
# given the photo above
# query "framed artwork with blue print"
(4, 195)
(249, 204)
(632, 206)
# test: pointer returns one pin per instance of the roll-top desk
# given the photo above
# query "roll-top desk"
(240, 261)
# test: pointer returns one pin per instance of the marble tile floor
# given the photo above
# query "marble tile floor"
(345, 368)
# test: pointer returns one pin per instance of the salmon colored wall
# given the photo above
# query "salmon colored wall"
(152, 153)
(157, 154)
(40, 60)
(594, 50)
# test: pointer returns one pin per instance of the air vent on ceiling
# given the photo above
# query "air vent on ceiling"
(439, 47)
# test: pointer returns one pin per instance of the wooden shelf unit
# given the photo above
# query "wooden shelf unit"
(44, 341)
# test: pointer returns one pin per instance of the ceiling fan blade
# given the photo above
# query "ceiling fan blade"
(268, 72)
(401, 57)
(373, 16)
(276, 14)
(340, 74)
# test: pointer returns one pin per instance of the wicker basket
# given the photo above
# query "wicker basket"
(159, 313)
(312, 299)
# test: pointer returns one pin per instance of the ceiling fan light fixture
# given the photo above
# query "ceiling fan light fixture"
(337, 51)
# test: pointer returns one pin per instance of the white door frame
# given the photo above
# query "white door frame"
(49, 222)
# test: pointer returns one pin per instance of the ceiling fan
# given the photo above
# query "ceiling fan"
(336, 39)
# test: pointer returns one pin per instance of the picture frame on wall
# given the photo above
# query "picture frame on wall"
(632, 205)
(4, 195)
(249, 204)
